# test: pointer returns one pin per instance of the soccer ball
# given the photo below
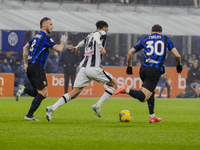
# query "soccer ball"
(125, 116)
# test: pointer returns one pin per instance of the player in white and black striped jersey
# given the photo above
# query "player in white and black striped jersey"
(90, 69)
(94, 46)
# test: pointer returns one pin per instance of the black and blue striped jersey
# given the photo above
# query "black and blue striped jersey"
(155, 48)
(39, 48)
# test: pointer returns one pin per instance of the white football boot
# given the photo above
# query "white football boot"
(97, 110)
(49, 112)
(19, 92)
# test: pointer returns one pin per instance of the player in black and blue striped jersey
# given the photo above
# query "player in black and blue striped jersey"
(35, 54)
(155, 48)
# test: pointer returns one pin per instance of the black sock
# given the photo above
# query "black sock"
(137, 94)
(150, 103)
(35, 104)
(31, 92)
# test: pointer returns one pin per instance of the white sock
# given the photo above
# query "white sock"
(108, 92)
(152, 115)
(127, 90)
(64, 99)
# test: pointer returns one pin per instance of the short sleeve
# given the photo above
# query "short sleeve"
(30, 42)
(138, 46)
(49, 41)
(170, 45)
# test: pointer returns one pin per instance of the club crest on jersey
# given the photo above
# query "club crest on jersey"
(51, 40)
(44, 83)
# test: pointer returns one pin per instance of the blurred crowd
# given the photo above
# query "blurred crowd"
(10, 61)
(56, 63)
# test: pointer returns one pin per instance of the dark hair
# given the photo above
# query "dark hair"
(100, 24)
(156, 28)
(43, 20)
(69, 42)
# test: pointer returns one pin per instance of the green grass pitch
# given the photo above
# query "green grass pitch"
(75, 127)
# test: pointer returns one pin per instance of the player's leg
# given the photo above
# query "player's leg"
(104, 78)
(150, 77)
(80, 82)
(31, 77)
(107, 93)
(112, 85)
(150, 83)
(41, 95)
(142, 95)
(151, 104)
(37, 77)
(31, 92)
(63, 100)
(20, 92)
(67, 97)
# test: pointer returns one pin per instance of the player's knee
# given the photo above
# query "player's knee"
(113, 84)
(148, 96)
(142, 97)
(46, 95)
(145, 100)
(43, 92)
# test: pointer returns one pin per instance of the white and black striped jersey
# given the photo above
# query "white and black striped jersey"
(92, 56)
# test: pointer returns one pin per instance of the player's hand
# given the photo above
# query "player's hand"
(102, 49)
(129, 70)
(25, 67)
(75, 50)
(63, 39)
(179, 68)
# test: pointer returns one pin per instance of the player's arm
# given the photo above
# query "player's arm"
(178, 59)
(177, 55)
(129, 60)
(97, 36)
(59, 47)
(130, 56)
(80, 44)
(25, 55)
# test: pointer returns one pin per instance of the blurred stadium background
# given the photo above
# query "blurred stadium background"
(129, 21)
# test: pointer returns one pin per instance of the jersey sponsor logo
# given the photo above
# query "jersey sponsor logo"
(88, 53)
(13, 38)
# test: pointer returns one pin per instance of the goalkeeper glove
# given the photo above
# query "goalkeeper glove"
(129, 70)
(179, 68)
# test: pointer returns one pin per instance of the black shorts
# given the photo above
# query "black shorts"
(36, 75)
(150, 77)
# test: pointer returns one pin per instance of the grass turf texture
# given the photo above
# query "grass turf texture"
(74, 125)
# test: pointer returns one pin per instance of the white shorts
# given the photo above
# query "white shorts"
(86, 75)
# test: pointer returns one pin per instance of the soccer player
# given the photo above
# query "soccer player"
(90, 69)
(35, 53)
(155, 48)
